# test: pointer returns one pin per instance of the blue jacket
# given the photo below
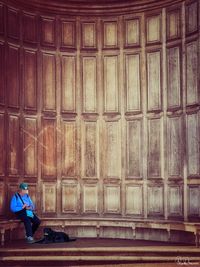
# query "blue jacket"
(16, 203)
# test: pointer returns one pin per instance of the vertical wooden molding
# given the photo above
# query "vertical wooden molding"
(185, 168)
(164, 88)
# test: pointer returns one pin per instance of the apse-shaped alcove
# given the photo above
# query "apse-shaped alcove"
(99, 113)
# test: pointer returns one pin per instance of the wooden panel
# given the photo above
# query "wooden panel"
(69, 158)
(154, 80)
(2, 26)
(155, 200)
(193, 200)
(2, 199)
(112, 150)
(68, 37)
(48, 31)
(134, 149)
(2, 144)
(192, 17)
(193, 147)
(175, 152)
(173, 78)
(13, 26)
(153, 29)
(90, 149)
(13, 80)
(33, 194)
(112, 200)
(29, 28)
(134, 200)
(30, 79)
(132, 32)
(133, 91)
(88, 35)
(111, 94)
(49, 81)
(175, 200)
(90, 198)
(69, 198)
(13, 145)
(154, 148)
(110, 34)
(68, 84)
(173, 24)
(30, 146)
(192, 73)
(49, 200)
(89, 84)
(48, 134)
(2, 71)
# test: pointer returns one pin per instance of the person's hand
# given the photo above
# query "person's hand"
(24, 206)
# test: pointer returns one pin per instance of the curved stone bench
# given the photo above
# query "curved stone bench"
(124, 223)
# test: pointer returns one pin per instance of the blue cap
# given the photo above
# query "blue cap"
(23, 186)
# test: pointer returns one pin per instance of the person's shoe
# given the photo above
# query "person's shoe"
(30, 240)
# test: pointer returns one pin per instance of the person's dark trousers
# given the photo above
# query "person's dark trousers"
(31, 224)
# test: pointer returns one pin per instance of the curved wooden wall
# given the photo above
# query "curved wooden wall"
(100, 114)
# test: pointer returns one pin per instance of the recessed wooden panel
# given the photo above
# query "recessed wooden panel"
(49, 147)
(112, 199)
(29, 28)
(49, 200)
(193, 200)
(174, 144)
(192, 17)
(13, 78)
(13, 25)
(30, 146)
(173, 24)
(132, 32)
(110, 34)
(2, 144)
(2, 71)
(88, 35)
(49, 81)
(13, 145)
(193, 148)
(68, 145)
(33, 194)
(134, 200)
(68, 31)
(90, 198)
(68, 84)
(154, 148)
(133, 91)
(89, 84)
(2, 198)
(192, 73)
(175, 201)
(30, 79)
(173, 78)
(111, 94)
(112, 151)
(90, 150)
(153, 29)
(70, 198)
(48, 31)
(2, 26)
(154, 80)
(134, 149)
(155, 200)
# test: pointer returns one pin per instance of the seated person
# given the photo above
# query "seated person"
(22, 205)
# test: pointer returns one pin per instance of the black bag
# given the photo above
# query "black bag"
(51, 236)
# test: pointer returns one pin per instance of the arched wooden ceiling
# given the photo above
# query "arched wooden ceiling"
(91, 7)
